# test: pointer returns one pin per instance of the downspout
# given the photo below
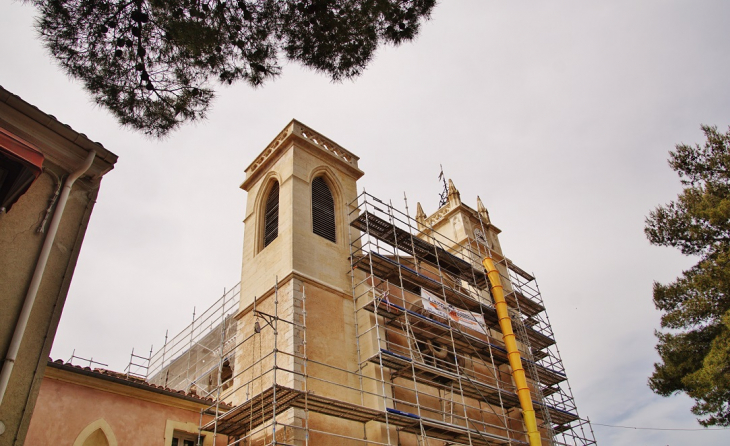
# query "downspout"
(38, 275)
(518, 373)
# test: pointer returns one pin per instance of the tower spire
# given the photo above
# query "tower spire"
(482, 210)
(420, 215)
(454, 197)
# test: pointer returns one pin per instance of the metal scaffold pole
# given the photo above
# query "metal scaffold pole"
(428, 362)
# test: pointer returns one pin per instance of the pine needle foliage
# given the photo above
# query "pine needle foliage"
(695, 346)
(153, 63)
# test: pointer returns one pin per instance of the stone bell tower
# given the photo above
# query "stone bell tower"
(307, 181)
(295, 274)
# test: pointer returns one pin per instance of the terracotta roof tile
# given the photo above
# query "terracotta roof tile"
(130, 378)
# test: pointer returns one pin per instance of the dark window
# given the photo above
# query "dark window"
(323, 210)
(15, 178)
(186, 439)
(226, 375)
(271, 216)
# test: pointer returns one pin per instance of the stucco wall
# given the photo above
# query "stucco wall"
(63, 151)
(64, 409)
(20, 245)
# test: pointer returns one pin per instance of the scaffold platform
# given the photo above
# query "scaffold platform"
(241, 420)
(430, 327)
(391, 271)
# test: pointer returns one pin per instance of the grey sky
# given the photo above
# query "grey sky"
(559, 114)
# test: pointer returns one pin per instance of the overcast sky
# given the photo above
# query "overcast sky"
(559, 114)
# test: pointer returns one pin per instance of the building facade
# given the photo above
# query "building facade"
(49, 181)
(356, 323)
(83, 407)
(359, 324)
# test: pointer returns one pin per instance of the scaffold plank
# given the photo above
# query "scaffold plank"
(434, 329)
(557, 416)
(467, 436)
(405, 241)
(251, 414)
(439, 258)
(437, 377)
(391, 271)
(527, 306)
(246, 417)
(521, 272)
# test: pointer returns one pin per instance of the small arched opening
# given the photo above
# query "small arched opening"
(271, 215)
(323, 210)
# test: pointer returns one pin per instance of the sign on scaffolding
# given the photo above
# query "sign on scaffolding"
(468, 319)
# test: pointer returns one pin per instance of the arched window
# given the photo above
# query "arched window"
(98, 433)
(271, 215)
(97, 438)
(323, 210)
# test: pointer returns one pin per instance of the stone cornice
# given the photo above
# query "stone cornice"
(296, 131)
(294, 274)
(439, 215)
(428, 223)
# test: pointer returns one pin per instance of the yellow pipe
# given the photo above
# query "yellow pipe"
(518, 373)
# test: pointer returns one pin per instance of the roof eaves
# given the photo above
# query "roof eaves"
(54, 125)
(121, 378)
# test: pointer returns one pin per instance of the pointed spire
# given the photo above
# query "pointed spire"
(454, 195)
(480, 206)
(420, 215)
(482, 210)
(452, 188)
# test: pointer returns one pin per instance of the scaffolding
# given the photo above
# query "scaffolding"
(189, 361)
(433, 353)
(431, 368)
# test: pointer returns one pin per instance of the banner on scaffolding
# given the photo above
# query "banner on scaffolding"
(468, 319)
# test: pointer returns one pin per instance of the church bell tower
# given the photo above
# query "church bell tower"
(295, 275)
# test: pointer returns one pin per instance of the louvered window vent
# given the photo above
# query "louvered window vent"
(323, 210)
(271, 216)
